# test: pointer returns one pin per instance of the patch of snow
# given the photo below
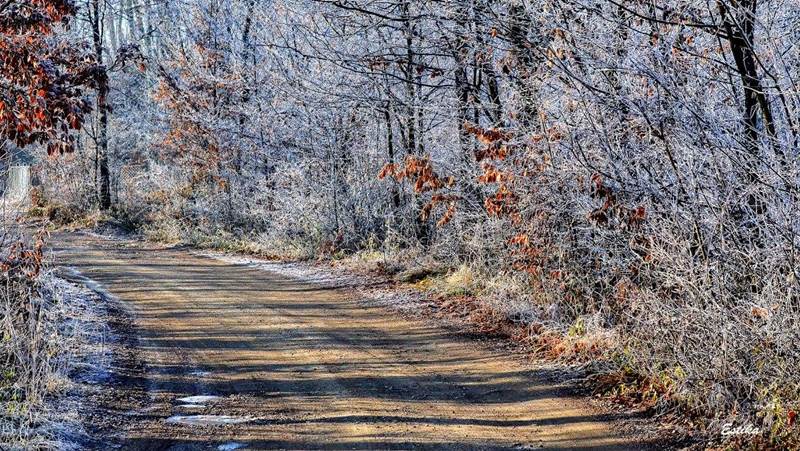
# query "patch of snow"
(76, 275)
(198, 399)
(207, 420)
(231, 446)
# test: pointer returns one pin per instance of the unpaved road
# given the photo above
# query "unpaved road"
(294, 366)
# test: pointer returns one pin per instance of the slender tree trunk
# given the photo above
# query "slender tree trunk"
(739, 26)
(738, 17)
(104, 188)
(414, 144)
(387, 117)
(247, 57)
(519, 20)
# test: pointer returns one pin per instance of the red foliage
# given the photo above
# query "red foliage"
(497, 149)
(494, 140)
(23, 261)
(611, 208)
(419, 171)
(42, 77)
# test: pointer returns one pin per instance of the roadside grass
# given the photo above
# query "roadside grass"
(49, 331)
(609, 357)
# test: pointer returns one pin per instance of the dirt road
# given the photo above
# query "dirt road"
(281, 363)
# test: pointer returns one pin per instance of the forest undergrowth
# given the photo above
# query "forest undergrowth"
(52, 335)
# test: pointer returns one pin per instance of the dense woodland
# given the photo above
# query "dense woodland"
(620, 176)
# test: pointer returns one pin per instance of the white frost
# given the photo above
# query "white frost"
(231, 446)
(198, 399)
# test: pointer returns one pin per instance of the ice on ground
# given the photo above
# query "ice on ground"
(231, 446)
(198, 399)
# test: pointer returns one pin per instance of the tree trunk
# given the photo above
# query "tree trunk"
(104, 188)
(387, 116)
(519, 21)
(738, 18)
